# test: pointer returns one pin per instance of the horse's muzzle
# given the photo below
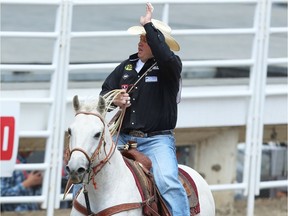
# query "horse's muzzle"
(77, 175)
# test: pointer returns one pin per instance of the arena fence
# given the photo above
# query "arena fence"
(56, 99)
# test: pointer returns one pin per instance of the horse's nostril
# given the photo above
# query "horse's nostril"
(81, 170)
(67, 169)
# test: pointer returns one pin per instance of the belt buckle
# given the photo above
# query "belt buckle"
(137, 133)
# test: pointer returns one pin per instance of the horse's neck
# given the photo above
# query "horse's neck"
(112, 175)
(112, 168)
(115, 185)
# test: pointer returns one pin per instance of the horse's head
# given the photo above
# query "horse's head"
(88, 135)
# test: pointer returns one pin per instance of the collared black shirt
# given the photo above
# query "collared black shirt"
(154, 98)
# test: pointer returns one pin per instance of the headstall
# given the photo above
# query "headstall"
(91, 159)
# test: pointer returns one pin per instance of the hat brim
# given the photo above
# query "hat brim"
(171, 42)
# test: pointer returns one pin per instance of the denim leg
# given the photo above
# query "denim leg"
(161, 151)
(75, 189)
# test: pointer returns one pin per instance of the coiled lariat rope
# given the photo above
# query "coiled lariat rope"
(117, 119)
(116, 122)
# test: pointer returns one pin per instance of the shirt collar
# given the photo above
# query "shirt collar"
(134, 58)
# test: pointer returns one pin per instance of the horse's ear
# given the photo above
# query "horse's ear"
(101, 105)
(76, 103)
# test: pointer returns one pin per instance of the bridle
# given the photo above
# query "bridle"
(92, 171)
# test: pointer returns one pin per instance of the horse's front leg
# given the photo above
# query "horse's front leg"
(74, 212)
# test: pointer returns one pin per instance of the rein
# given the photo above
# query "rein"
(101, 164)
(91, 159)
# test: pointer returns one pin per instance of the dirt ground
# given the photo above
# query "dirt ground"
(263, 207)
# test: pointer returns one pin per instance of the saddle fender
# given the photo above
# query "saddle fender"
(139, 164)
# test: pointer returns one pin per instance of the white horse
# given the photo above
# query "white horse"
(94, 161)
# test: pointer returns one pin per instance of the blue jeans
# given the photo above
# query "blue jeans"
(162, 152)
(75, 189)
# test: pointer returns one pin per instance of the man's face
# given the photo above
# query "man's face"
(144, 51)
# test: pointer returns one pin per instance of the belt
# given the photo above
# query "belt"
(137, 133)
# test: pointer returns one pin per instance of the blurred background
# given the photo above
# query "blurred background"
(233, 115)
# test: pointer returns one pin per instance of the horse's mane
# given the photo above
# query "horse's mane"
(101, 105)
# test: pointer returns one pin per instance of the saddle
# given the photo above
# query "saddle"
(140, 166)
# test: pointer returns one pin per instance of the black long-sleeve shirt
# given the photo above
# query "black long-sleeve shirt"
(153, 99)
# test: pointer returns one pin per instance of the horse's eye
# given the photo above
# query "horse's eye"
(69, 131)
(97, 135)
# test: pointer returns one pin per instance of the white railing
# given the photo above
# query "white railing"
(49, 166)
(60, 68)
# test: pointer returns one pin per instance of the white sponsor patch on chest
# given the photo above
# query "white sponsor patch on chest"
(151, 79)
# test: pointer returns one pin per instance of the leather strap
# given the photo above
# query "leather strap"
(119, 208)
(82, 209)
(109, 211)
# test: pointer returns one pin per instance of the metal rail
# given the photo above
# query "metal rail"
(60, 69)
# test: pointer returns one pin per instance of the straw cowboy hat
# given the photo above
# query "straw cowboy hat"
(161, 26)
